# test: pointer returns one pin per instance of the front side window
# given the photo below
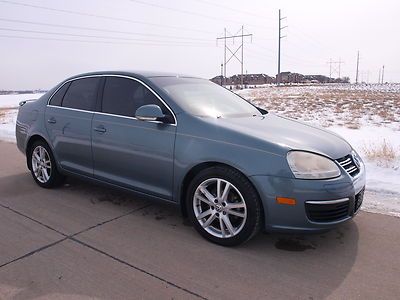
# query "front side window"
(82, 94)
(203, 98)
(57, 98)
(123, 96)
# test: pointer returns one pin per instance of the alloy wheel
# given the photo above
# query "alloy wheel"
(220, 208)
(41, 164)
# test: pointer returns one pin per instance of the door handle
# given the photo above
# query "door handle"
(52, 120)
(100, 129)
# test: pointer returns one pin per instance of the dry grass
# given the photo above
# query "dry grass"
(353, 125)
(349, 107)
(2, 114)
(383, 153)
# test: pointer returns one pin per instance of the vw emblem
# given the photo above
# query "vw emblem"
(356, 159)
(218, 207)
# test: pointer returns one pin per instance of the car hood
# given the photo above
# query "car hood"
(289, 134)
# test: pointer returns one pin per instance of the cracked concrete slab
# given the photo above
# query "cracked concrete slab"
(346, 262)
(19, 236)
(71, 271)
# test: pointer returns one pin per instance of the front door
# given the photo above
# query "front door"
(129, 152)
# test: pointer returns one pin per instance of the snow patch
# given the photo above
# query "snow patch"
(8, 113)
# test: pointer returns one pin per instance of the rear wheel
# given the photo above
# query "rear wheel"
(223, 206)
(43, 166)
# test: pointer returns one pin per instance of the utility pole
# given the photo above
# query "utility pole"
(224, 55)
(379, 78)
(241, 75)
(358, 62)
(278, 81)
(383, 72)
(330, 69)
(222, 74)
(233, 53)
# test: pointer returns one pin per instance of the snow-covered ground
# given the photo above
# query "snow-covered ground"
(383, 176)
(8, 113)
(368, 116)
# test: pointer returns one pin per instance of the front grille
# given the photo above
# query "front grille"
(358, 201)
(349, 165)
(318, 211)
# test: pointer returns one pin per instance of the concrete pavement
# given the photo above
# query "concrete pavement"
(83, 241)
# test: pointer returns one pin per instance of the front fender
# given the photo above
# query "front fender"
(191, 151)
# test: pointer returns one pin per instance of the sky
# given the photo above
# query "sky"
(43, 42)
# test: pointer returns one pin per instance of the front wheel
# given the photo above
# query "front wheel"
(223, 206)
(43, 165)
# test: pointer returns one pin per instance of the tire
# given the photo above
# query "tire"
(43, 166)
(233, 217)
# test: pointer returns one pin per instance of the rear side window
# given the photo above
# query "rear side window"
(57, 98)
(123, 96)
(82, 94)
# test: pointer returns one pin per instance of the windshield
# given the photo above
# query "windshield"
(203, 98)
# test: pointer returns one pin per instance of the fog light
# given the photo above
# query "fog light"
(287, 201)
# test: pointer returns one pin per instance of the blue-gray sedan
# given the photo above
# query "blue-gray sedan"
(232, 167)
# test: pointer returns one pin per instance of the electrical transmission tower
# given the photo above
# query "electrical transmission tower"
(278, 80)
(335, 67)
(233, 53)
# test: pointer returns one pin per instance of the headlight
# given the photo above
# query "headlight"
(306, 165)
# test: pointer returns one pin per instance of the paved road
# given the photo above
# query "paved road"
(83, 241)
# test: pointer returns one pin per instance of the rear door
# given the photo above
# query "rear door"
(129, 152)
(69, 124)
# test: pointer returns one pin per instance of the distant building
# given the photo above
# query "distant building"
(289, 77)
(286, 78)
(248, 79)
(318, 79)
(218, 79)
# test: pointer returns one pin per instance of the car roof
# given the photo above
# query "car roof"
(138, 74)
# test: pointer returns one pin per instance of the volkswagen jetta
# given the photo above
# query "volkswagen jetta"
(233, 168)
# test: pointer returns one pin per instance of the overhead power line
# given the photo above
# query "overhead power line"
(100, 29)
(96, 41)
(218, 19)
(231, 9)
(307, 38)
(178, 10)
(100, 16)
(265, 48)
(94, 36)
(260, 53)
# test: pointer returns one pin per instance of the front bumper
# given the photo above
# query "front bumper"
(308, 194)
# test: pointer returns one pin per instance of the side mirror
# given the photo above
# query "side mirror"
(150, 112)
(262, 111)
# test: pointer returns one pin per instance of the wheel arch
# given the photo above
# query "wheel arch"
(198, 168)
(34, 138)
